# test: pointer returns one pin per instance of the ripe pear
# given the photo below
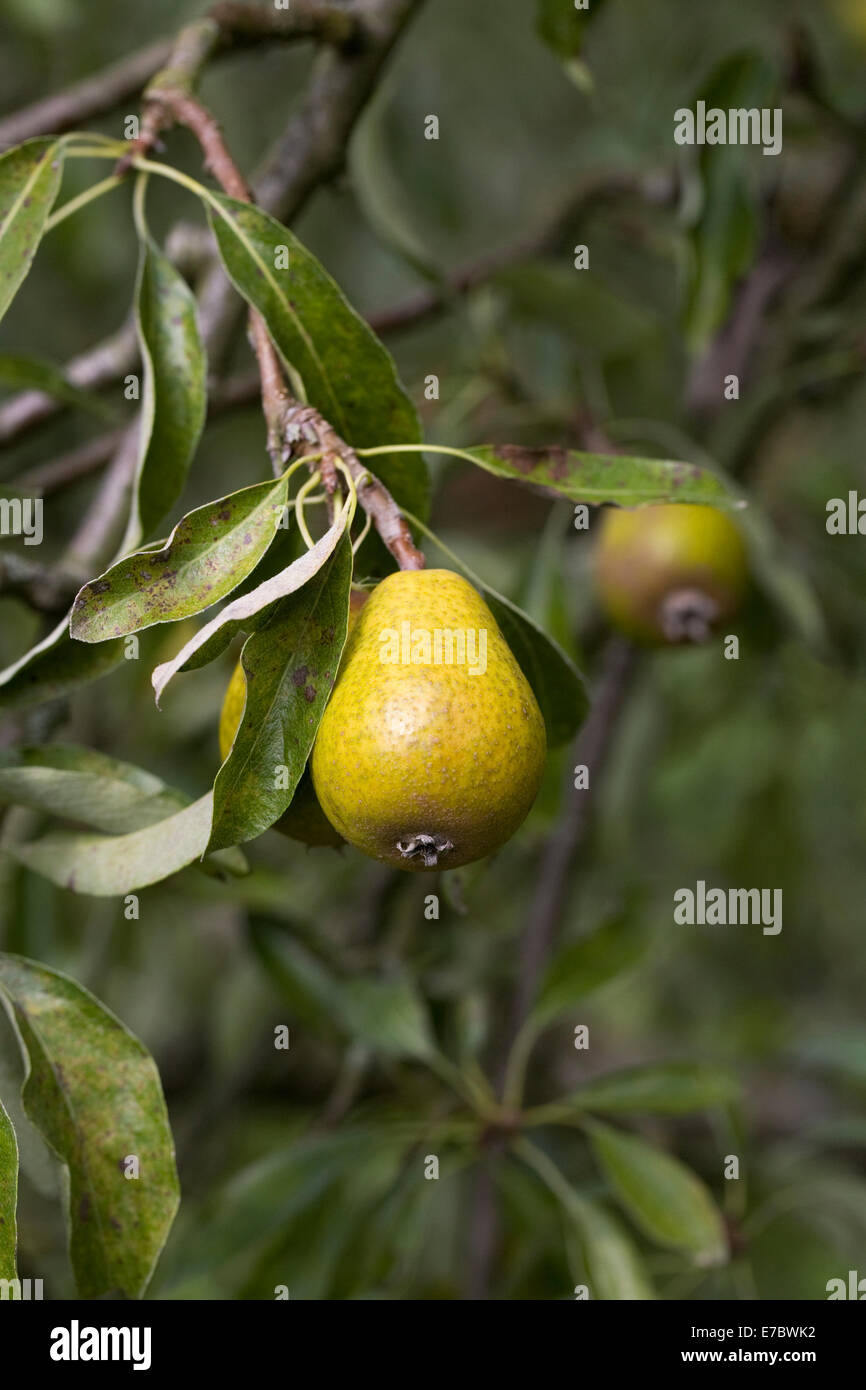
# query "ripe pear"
(670, 573)
(432, 746)
(304, 818)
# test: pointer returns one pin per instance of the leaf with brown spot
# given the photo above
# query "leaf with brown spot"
(604, 478)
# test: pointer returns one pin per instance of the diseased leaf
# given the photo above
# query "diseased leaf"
(8, 1197)
(348, 373)
(93, 1091)
(245, 611)
(666, 1199)
(81, 784)
(32, 374)
(583, 966)
(209, 552)
(54, 666)
(598, 478)
(29, 180)
(111, 865)
(669, 1088)
(290, 665)
(174, 392)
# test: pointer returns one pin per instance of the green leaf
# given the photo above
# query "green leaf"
(562, 26)
(110, 865)
(598, 478)
(209, 552)
(666, 1199)
(614, 1266)
(583, 966)
(386, 1014)
(347, 372)
(290, 665)
(32, 374)
(556, 682)
(246, 612)
(725, 237)
(54, 666)
(8, 1197)
(671, 1088)
(29, 180)
(174, 393)
(81, 784)
(93, 1091)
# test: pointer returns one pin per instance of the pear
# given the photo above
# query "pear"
(432, 746)
(670, 573)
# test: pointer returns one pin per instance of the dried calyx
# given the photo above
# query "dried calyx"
(427, 848)
(688, 615)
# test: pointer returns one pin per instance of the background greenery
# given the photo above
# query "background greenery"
(306, 1168)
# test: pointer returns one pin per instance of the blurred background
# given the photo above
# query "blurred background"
(304, 1167)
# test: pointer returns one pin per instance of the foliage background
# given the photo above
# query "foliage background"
(741, 773)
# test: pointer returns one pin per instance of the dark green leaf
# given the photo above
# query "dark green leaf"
(671, 1088)
(561, 25)
(174, 393)
(32, 374)
(110, 865)
(29, 180)
(54, 666)
(583, 966)
(290, 665)
(8, 1197)
(94, 1093)
(556, 682)
(666, 1199)
(597, 478)
(81, 784)
(209, 552)
(347, 372)
(245, 613)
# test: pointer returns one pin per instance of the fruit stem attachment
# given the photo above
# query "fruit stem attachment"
(688, 615)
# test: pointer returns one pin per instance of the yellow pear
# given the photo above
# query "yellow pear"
(432, 746)
(669, 573)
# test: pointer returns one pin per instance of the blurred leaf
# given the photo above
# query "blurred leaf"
(842, 1051)
(784, 581)
(55, 665)
(671, 1088)
(29, 180)
(614, 1266)
(290, 665)
(562, 25)
(32, 374)
(347, 372)
(666, 1199)
(725, 238)
(236, 615)
(111, 865)
(583, 966)
(597, 478)
(93, 1091)
(387, 1014)
(82, 784)
(8, 1197)
(207, 555)
(174, 392)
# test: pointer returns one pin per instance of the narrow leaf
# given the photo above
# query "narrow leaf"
(556, 682)
(54, 666)
(583, 966)
(32, 374)
(111, 865)
(209, 552)
(93, 1091)
(174, 393)
(236, 615)
(81, 784)
(290, 665)
(29, 180)
(8, 1197)
(671, 1088)
(613, 1263)
(348, 373)
(598, 478)
(666, 1199)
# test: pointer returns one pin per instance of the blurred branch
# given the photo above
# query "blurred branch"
(45, 588)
